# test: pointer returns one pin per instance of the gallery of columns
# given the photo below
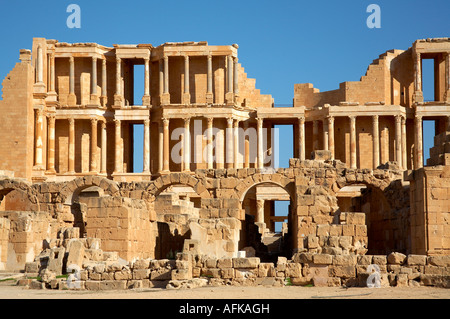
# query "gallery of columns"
(199, 110)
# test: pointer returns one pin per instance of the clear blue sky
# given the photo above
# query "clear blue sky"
(280, 42)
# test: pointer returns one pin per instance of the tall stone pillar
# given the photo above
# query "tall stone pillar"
(165, 99)
(260, 211)
(325, 135)
(51, 145)
(315, 135)
(166, 145)
(71, 145)
(404, 154)
(161, 79)
(418, 142)
(209, 92)
(447, 78)
(246, 146)
(94, 93)
(229, 96)
(104, 97)
(398, 140)
(301, 138)
(236, 78)
(39, 142)
(210, 143)
(118, 167)
(236, 154)
(418, 94)
(186, 95)
(72, 99)
(146, 101)
(160, 146)
(104, 151)
(94, 156)
(52, 73)
(118, 97)
(260, 143)
(229, 143)
(352, 141)
(146, 166)
(187, 144)
(331, 135)
(40, 66)
(376, 141)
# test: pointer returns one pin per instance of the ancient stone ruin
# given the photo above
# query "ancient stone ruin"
(75, 212)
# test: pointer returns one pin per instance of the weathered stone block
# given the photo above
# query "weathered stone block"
(322, 259)
(251, 262)
(395, 258)
(419, 260)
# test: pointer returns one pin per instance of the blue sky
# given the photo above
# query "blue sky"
(280, 42)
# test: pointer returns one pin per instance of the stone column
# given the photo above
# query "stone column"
(118, 168)
(260, 143)
(209, 92)
(166, 145)
(51, 145)
(39, 142)
(229, 96)
(146, 98)
(301, 138)
(325, 135)
(210, 143)
(236, 154)
(186, 95)
(315, 135)
(160, 146)
(331, 135)
(103, 163)
(52, 72)
(40, 66)
(187, 144)
(229, 143)
(71, 145)
(161, 78)
(94, 155)
(72, 99)
(94, 96)
(104, 97)
(418, 94)
(146, 168)
(447, 78)
(259, 211)
(352, 141)
(118, 98)
(419, 142)
(404, 158)
(165, 98)
(376, 141)
(398, 140)
(236, 78)
(246, 146)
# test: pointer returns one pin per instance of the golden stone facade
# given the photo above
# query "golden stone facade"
(358, 188)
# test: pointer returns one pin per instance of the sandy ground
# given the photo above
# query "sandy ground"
(10, 291)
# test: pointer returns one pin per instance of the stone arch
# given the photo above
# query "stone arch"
(77, 185)
(278, 179)
(385, 204)
(9, 185)
(163, 182)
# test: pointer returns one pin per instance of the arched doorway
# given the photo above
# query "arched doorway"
(265, 230)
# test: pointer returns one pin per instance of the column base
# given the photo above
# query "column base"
(229, 98)
(50, 171)
(447, 96)
(52, 97)
(417, 97)
(103, 100)
(186, 100)
(118, 101)
(94, 100)
(209, 98)
(72, 99)
(165, 98)
(39, 88)
(146, 100)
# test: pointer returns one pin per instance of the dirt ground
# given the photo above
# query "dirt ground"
(10, 291)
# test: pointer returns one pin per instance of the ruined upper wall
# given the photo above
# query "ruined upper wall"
(395, 78)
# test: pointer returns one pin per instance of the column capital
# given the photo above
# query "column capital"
(103, 123)
(94, 58)
(39, 112)
(165, 121)
(398, 118)
(352, 117)
(230, 121)
(71, 59)
(94, 121)
(71, 120)
(51, 118)
(117, 122)
(187, 120)
(330, 118)
(209, 120)
(104, 62)
(260, 121)
(301, 120)
(375, 117)
(147, 122)
(418, 117)
(118, 60)
(236, 123)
